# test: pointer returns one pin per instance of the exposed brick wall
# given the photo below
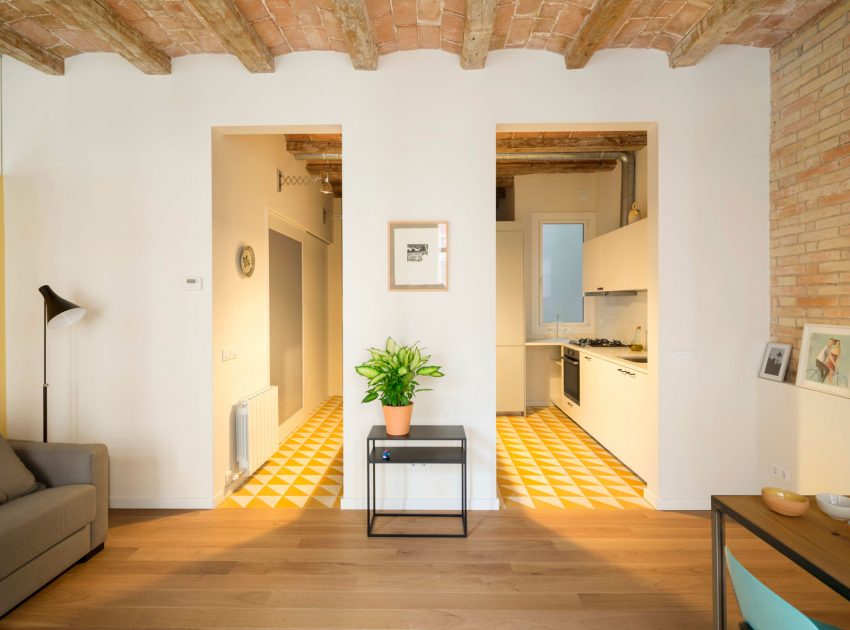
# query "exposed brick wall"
(810, 177)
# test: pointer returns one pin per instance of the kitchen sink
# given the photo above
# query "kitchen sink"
(635, 359)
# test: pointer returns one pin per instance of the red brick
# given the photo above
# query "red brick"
(429, 36)
(429, 11)
(404, 12)
(408, 37)
(384, 29)
(452, 28)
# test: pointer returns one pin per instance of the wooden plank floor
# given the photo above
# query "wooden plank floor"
(629, 570)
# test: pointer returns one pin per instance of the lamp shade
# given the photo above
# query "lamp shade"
(60, 312)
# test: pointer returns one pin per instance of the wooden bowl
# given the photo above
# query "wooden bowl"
(785, 502)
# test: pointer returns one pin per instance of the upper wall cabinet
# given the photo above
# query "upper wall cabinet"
(616, 261)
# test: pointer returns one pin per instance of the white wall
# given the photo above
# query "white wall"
(805, 432)
(109, 199)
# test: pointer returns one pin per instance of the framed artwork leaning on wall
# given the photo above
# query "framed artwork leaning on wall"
(774, 364)
(825, 359)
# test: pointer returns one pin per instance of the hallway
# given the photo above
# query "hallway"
(306, 471)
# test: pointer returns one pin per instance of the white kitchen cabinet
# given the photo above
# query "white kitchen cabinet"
(636, 250)
(510, 322)
(616, 261)
(593, 398)
(510, 379)
(510, 302)
(614, 410)
(602, 262)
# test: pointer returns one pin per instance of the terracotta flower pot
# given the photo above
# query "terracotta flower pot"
(397, 420)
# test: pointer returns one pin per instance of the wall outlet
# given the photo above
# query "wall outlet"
(228, 354)
(778, 472)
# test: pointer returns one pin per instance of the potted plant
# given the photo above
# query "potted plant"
(392, 374)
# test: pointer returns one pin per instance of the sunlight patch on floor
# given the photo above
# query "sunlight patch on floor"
(545, 460)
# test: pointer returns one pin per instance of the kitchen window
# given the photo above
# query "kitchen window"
(558, 305)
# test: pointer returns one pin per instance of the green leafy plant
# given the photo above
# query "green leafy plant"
(392, 373)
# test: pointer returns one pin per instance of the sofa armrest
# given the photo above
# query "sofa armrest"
(57, 464)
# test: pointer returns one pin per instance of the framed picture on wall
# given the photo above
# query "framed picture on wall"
(825, 359)
(774, 365)
(418, 256)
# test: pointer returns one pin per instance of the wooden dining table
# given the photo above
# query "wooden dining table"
(816, 542)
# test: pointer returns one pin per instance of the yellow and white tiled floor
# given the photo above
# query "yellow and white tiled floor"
(545, 460)
(306, 471)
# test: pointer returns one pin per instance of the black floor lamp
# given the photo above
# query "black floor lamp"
(58, 313)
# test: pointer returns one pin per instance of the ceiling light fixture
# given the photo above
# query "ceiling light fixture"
(304, 180)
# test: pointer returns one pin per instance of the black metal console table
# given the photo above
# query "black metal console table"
(402, 453)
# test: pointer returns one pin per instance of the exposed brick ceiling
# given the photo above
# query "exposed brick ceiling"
(176, 28)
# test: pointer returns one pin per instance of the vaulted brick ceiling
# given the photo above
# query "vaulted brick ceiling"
(43, 32)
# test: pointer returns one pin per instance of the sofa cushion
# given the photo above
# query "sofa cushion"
(32, 524)
(15, 479)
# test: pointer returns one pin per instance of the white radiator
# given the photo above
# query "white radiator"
(256, 429)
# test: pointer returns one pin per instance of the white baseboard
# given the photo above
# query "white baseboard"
(682, 504)
(161, 503)
(421, 504)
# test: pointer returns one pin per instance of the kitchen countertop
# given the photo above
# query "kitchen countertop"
(609, 354)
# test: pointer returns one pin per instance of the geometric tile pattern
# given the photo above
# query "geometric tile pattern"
(305, 472)
(545, 460)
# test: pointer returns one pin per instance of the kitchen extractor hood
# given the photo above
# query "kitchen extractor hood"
(621, 292)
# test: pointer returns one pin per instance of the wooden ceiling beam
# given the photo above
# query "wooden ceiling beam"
(602, 20)
(616, 141)
(722, 18)
(313, 146)
(26, 52)
(477, 32)
(359, 39)
(224, 19)
(97, 17)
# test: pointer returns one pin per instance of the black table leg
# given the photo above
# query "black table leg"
(718, 568)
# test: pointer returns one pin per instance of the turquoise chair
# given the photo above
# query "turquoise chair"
(762, 608)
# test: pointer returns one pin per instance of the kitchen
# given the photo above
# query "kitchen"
(572, 287)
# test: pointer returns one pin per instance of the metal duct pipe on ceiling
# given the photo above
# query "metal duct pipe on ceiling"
(564, 156)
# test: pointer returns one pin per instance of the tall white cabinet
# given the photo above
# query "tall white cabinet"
(510, 322)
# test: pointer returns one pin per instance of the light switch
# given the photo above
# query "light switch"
(193, 284)
(228, 354)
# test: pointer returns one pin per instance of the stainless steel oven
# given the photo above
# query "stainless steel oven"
(571, 375)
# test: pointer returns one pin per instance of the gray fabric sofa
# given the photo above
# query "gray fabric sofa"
(45, 532)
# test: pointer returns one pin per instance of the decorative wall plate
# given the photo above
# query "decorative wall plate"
(247, 261)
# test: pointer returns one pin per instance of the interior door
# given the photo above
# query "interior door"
(286, 343)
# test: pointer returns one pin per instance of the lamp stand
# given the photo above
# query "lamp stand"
(44, 386)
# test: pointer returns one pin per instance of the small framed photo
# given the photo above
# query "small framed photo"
(418, 256)
(825, 359)
(774, 365)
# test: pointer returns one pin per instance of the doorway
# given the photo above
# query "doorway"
(279, 324)
(556, 190)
